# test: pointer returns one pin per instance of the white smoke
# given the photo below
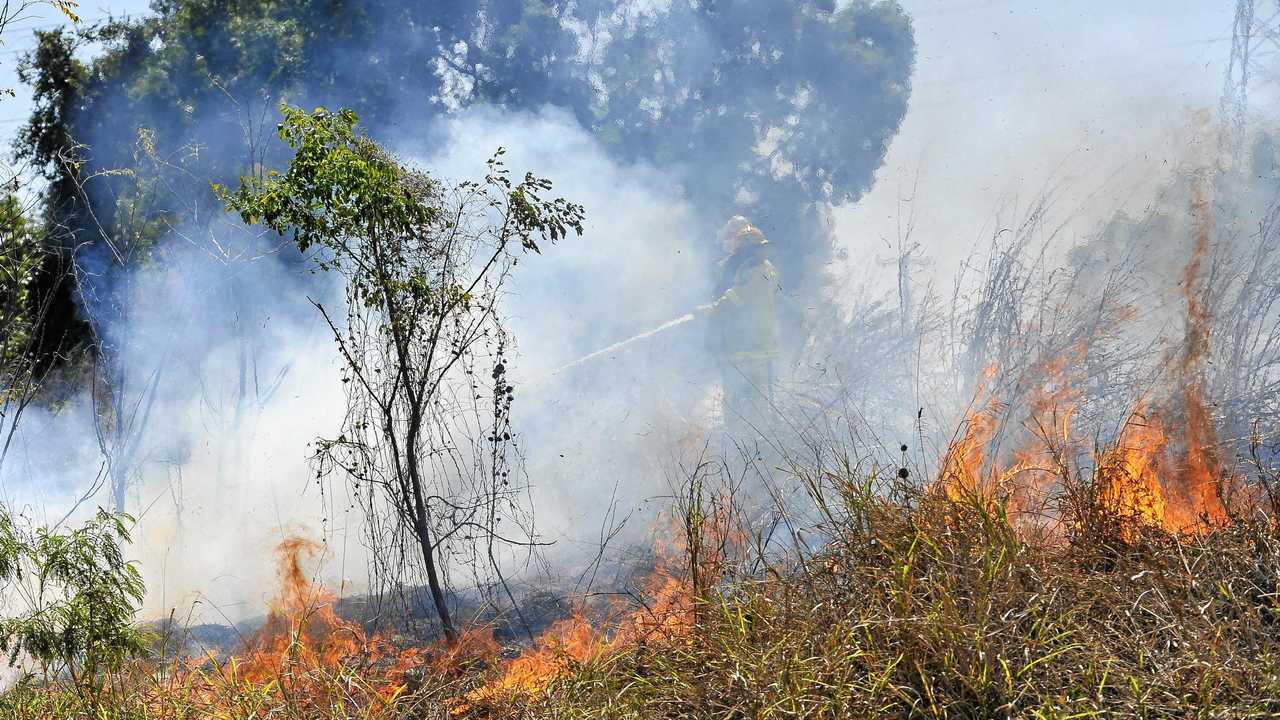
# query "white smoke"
(247, 378)
(228, 376)
(248, 375)
(611, 422)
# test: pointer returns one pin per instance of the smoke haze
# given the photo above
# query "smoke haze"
(1008, 98)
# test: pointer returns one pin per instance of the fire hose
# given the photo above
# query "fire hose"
(668, 325)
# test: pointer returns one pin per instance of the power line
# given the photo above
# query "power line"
(18, 30)
(982, 5)
(26, 40)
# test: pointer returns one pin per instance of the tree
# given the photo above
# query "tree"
(106, 222)
(771, 109)
(31, 278)
(77, 594)
(775, 110)
(423, 266)
(19, 260)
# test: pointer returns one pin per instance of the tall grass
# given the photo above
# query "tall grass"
(893, 601)
(918, 605)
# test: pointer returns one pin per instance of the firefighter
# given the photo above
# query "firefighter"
(744, 333)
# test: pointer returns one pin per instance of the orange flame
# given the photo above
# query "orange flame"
(1129, 483)
(669, 614)
(1200, 502)
(969, 473)
(1162, 471)
(308, 657)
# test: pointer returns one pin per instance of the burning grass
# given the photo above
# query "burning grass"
(304, 662)
(915, 603)
(1140, 579)
(1052, 580)
(912, 615)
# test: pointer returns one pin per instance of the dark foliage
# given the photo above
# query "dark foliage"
(772, 109)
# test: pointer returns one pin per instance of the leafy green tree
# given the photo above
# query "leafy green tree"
(19, 261)
(74, 594)
(56, 78)
(78, 596)
(775, 110)
(55, 329)
(423, 266)
(29, 280)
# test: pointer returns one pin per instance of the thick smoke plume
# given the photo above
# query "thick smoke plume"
(230, 375)
(662, 120)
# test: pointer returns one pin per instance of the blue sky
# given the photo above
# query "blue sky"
(20, 38)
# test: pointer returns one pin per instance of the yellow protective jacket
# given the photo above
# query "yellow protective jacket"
(744, 323)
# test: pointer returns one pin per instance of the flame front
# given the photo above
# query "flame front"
(1161, 471)
(669, 599)
(308, 658)
(1127, 476)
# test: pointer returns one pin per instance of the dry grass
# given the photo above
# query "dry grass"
(942, 612)
(917, 605)
(910, 605)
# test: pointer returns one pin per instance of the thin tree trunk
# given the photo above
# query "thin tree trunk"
(433, 580)
(421, 528)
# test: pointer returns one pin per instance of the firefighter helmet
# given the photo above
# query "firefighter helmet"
(738, 233)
